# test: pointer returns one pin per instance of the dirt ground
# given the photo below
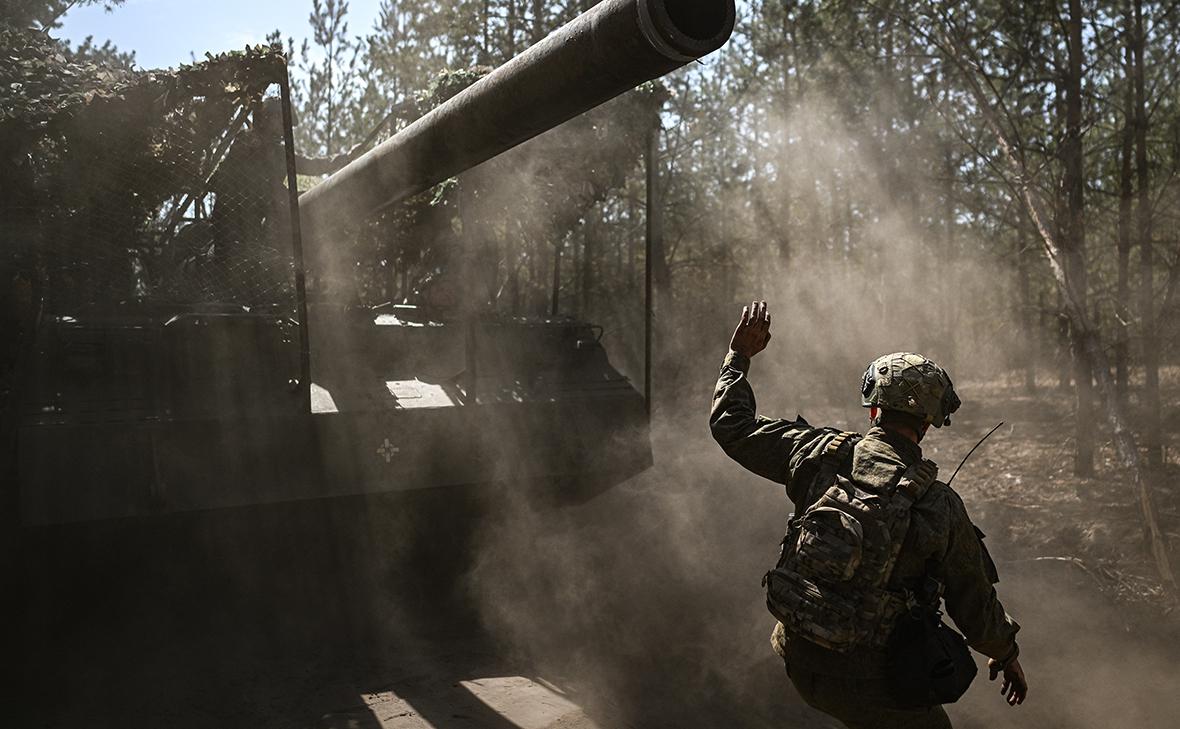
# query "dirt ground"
(640, 608)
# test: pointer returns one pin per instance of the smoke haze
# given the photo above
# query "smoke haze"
(648, 597)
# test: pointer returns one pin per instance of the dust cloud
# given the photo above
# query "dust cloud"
(647, 598)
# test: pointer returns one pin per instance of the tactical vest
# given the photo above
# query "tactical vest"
(830, 585)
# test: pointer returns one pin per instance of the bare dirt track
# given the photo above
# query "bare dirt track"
(640, 608)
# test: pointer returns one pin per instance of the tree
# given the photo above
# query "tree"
(1073, 241)
(45, 15)
(1126, 203)
(326, 95)
(1143, 217)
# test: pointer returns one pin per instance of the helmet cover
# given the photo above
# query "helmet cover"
(910, 383)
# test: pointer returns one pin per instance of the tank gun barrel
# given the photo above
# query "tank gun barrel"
(605, 51)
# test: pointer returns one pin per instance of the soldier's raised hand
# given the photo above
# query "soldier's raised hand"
(753, 331)
(1015, 686)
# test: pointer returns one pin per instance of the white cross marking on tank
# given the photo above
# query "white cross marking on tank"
(388, 450)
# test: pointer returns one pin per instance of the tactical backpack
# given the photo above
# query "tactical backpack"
(830, 585)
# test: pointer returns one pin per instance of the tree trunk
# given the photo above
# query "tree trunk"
(661, 274)
(1151, 373)
(1126, 200)
(888, 160)
(849, 226)
(590, 249)
(632, 216)
(1074, 244)
(538, 29)
(1024, 283)
(950, 309)
(1064, 368)
(780, 214)
(578, 249)
(555, 291)
(511, 28)
(516, 261)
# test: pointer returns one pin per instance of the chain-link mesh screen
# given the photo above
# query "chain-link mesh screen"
(173, 196)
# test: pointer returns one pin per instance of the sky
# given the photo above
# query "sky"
(165, 32)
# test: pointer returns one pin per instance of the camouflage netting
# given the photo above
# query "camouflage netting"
(156, 188)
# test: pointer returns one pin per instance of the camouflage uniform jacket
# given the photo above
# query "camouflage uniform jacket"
(940, 535)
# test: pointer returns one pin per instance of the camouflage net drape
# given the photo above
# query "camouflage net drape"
(162, 188)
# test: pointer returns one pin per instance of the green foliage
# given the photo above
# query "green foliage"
(447, 83)
(39, 79)
(328, 83)
(40, 76)
(105, 55)
(43, 80)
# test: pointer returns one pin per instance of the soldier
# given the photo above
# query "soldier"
(855, 680)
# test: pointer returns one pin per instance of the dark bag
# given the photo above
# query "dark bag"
(929, 661)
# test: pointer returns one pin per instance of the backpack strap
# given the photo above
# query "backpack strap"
(837, 454)
(833, 459)
(917, 480)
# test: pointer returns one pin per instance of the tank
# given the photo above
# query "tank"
(137, 410)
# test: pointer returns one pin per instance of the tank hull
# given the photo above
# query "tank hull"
(75, 473)
(168, 440)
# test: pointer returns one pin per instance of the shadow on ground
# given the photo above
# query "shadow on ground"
(640, 608)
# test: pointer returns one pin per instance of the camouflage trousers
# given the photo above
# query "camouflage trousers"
(861, 703)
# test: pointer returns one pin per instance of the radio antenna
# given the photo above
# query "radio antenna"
(981, 440)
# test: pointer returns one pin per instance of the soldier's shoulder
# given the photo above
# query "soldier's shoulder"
(941, 496)
(818, 437)
(811, 444)
(940, 513)
(826, 432)
(830, 437)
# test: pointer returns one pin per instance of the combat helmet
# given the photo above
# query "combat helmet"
(912, 384)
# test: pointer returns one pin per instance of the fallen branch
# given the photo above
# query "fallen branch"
(1075, 561)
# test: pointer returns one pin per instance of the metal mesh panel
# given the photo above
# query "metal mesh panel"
(181, 201)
